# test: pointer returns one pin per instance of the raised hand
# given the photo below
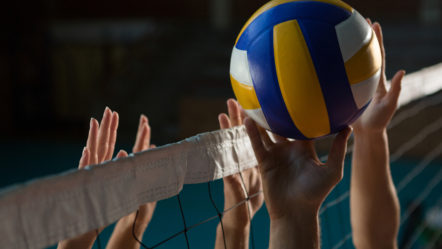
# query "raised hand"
(236, 221)
(295, 183)
(373, 198)
(381, 109)
(99, 148)
(122, 236)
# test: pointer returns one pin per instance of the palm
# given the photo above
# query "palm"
(290, 180)
(292, 174)
(383, 105)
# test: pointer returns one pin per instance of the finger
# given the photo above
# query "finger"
(84, 160)
(338, 150)
(224, 121)
(122, 153)
(152, 146)
(143, 120)
(103, 134)
(243, 114)
(255, 139)
(378, 31)
(146, 138)
(234, 112)
(395, 90)
(91, 143)
(369, 21)
(143, 140)
(112, 136)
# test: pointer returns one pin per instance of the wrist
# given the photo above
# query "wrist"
(126, 225)
(231, 228)
(369, 133)
(235, 237)
(302, 214)
(297, 230)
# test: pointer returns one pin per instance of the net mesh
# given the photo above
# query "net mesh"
(416, 159)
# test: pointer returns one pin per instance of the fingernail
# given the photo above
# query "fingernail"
(91, 122)
(84, 150)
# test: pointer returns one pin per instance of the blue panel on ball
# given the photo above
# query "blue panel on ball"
(326, 55)
(263, 71)
(319, 11)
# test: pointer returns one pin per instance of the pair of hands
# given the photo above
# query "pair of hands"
(100, 147)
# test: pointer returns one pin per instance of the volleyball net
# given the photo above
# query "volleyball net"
(39, 213)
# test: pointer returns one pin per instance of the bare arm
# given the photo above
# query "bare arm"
(122, 236)
(99, 148)
(374, 204)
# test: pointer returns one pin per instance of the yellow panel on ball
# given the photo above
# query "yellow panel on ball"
(245, 94)
(365, 63)
(298, 81)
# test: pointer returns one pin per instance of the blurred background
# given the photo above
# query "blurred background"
(62, 62)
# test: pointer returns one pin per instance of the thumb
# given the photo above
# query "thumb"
(255, 139)
(337, 152)
(395, 90)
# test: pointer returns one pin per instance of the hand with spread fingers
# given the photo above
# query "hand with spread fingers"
(295, 183)
(236, 222)
(371, 180)
(384, 103)
(99, 148)
(122, 236)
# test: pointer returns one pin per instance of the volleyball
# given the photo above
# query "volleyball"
(305, 69)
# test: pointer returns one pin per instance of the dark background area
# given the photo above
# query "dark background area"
(62, 62)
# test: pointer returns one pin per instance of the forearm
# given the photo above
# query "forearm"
(123, 235)
(374, 203)
(85, 241)
(300, 230)
(235, 237)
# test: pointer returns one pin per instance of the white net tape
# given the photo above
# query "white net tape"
(42, 212)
